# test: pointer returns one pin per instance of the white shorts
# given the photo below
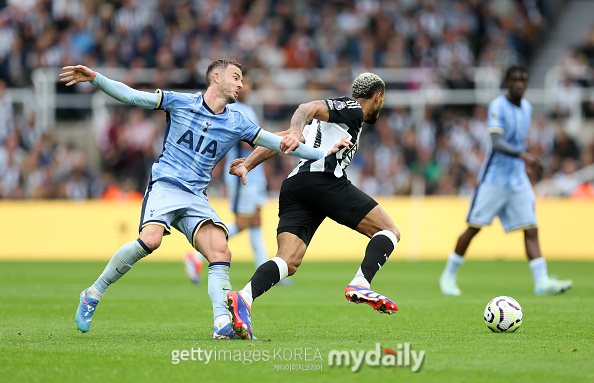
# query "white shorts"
(246, 199)
(167, 205)
(515, 207)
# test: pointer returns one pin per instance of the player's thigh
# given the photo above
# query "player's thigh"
(198, 214)
(487, 202)
(375, 221)
(161, 204)
(520, 211)
(296, 215)
(349, 206)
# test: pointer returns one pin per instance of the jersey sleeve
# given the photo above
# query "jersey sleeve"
(249, 131)
(495, 118)
(172, 100)
(344, 110)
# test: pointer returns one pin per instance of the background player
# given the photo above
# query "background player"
(504, 189)
(200, 130)
(318, 189)
(246, 201)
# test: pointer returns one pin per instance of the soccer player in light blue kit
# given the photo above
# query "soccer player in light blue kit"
(200, 131)
(246, 201)
(504, 189)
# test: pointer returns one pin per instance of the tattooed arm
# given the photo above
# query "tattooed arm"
(303, 114)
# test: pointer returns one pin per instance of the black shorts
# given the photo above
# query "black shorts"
(307, 198)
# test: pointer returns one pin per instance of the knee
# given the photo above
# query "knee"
(255, 220)
(531, 233)
(152, 241)
(293, 265)
(218, 255)
(396, 232)
(391, 232)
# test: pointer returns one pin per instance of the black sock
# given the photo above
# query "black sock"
(376, 254)
(266, 276)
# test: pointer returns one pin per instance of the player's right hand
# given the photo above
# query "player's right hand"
(238, 169)
(289, 143)
(78, 73)
(532, 161)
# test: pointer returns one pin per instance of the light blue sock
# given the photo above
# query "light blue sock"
(218, 287)
(453, 264)
(258, 245)
(538, 267)
(233, 229)
(120, 263)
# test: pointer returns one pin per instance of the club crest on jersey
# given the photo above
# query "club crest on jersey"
(338, 105)
(188, 139)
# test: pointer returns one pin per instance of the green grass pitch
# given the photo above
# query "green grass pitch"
(155, 310)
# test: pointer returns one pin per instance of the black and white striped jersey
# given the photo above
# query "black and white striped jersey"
(346, 119)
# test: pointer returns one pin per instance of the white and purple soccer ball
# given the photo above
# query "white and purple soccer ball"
(503, 314)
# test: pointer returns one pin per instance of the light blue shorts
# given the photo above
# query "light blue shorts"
(167, 205)
(515, 207)
(246, 199)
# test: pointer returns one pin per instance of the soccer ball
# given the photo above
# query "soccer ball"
(503, 314)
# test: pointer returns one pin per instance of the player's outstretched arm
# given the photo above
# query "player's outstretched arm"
(304, 113)
(117, 90)
(241, 166)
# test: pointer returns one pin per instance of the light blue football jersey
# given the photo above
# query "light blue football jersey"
(196, 139)
(240, 151)
(513, 122)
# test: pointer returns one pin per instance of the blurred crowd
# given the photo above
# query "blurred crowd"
(576, 72)
(440, 155)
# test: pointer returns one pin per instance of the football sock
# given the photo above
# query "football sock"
(120, 263)
(454, 262)
(538, 267)
(258, 245)
(222, 321)
(377, 252)
(233, 229)
(218, 287)
(266, 276)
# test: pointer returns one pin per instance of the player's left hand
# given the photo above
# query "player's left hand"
(238, 169)
(344, 143)
(532, 161)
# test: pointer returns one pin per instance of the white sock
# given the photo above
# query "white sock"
(218, 286)
(454, 262)
(233, 229)
(258, 245)
(359, 279)
(538, 267)
(246, 294)
(222, 321)
(94, 293)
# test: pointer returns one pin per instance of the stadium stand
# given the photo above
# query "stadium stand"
(292, 47)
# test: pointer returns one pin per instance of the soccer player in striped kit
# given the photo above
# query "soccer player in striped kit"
(318, 189)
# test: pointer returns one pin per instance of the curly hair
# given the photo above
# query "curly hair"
(367, 84)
